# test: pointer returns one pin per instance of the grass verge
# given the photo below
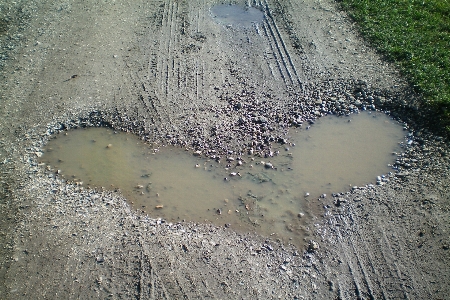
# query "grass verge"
(415, 35)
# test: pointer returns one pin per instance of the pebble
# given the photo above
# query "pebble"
(268, 247)
(402, 174)
(313, 246)
(268, 165)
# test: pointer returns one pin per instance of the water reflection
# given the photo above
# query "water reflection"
(236, 15)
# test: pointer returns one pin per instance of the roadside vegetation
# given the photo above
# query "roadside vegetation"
(415, 34)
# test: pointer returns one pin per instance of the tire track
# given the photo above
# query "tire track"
(153, 84)
(274, 53)
(284, 60)
(387, 284)
(170, 60)
(360, 275)
(199, 17)
(163, 40)
(400, 230)
(355, 241)
(164, 57)
(276, 49)
(191, 290)
(183, 68)
(144, 95)
(381, 287)
(391, 261)
(288, 55)
(149, 282)
(353, 276)
(368, 279)
(398, 282)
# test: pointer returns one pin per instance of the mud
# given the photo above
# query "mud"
(167, 72)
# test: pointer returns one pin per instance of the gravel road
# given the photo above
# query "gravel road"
(172, 74)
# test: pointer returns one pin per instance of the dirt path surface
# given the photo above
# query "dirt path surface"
(169, 72)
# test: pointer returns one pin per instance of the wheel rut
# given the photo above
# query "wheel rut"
(283, 57)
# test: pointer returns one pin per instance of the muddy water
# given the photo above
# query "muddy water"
(266, 195)
(235, 15)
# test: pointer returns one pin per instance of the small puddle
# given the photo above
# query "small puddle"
(228, 14)
(171, 183)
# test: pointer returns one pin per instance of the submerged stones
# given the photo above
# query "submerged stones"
(268, 165)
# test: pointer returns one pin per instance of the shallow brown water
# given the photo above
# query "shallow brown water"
(171, 183)
(236, 15)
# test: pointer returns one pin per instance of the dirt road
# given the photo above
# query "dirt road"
(173, 74)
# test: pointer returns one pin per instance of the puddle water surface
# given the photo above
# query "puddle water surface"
(227, 14)
(171, 183)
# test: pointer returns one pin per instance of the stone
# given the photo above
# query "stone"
(268, 165)
(402, 174)
(268, 247)
(313, 246)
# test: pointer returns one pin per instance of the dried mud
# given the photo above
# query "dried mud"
(167, 72)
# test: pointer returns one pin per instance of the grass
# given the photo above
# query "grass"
(415, 35)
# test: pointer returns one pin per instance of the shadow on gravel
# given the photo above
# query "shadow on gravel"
(404, 105)
(3, 26)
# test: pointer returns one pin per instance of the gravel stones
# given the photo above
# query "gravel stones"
(313, 246)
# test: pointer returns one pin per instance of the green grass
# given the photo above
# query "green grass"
(415, 35)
